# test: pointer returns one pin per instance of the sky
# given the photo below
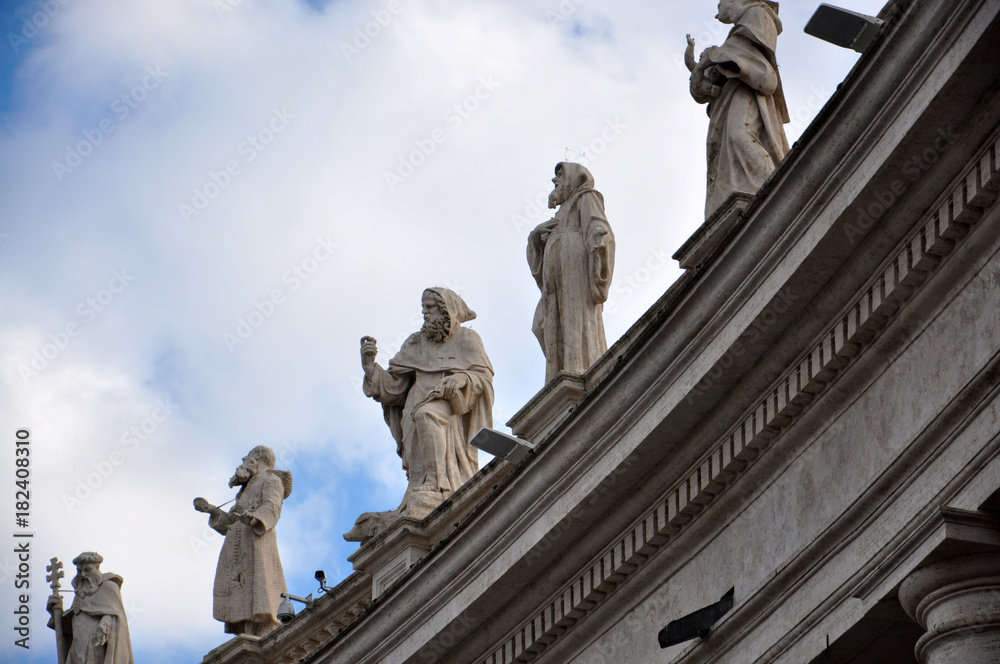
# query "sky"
(205, 204)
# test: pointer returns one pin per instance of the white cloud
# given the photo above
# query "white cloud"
(526, 89)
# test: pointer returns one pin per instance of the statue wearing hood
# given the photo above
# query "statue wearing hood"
(572, 258)
(746, 104)
(436, 394)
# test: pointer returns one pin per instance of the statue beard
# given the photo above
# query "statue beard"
(436, 328)
(86, 584)
(558, 196)
(243, 474)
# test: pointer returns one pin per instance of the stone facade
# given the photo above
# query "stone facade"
(809, 415)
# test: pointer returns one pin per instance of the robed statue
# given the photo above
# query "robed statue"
(436, 394)
(94, 630)
(249, 579)
(739, 81)
(572, 258)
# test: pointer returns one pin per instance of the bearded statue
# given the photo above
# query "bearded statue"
(249, 580)
(572, 258)
(94, 630)
(436, 394)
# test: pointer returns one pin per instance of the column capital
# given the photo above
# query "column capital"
(957, 600)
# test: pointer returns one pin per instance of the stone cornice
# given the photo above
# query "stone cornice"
(629, 403)
(908, 267)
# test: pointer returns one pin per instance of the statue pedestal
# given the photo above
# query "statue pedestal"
(394, 551)
(549, 407)
(715, 229)
(390, 554)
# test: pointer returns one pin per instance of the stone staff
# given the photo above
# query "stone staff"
(54, 569)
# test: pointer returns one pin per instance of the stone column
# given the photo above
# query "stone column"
(958, 602)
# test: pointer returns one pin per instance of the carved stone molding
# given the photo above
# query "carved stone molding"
(958, 602)
(932, 240)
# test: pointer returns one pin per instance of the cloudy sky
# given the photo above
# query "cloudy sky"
(204, 204)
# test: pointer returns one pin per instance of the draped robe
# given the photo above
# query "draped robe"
(432, 435)
(746, 137)
(82, 619)
(572, 260)
(249, 579)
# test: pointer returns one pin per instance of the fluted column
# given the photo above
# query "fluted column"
(958, 602)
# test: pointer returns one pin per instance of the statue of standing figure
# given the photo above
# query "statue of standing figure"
(95, 629)
(436, 395)
(746, 104)
(572, 258)
(249, 579)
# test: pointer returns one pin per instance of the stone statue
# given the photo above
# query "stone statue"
(94, 630)
(746, 105)
(572, 257)
(249, 579)
(436, 395)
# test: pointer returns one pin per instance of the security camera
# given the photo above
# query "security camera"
(321, 577)
(286, 611)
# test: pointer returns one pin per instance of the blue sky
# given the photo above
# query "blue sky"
(206, 203)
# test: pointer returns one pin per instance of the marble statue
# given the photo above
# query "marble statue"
(746, 105)
(572, 257)
(249, 579)
(436, 394)
(94, 630)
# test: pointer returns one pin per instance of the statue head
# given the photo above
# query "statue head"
(259, 459)
(437, 322)
(444, 311)
(88, 573)
(570, 178)
(731, 11)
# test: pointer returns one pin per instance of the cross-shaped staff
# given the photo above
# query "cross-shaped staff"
(54, 569)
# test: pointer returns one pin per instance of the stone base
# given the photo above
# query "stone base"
(549, 407)
(713, 231)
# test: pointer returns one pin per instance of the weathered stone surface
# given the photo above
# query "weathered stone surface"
(436, 394)
(94, 630)
(958, 602)
(739, 81)
(572, 258)
(249, 579)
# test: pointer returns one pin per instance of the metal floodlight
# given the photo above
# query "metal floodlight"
(843, 27)
(697, 624)
(502, 445)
